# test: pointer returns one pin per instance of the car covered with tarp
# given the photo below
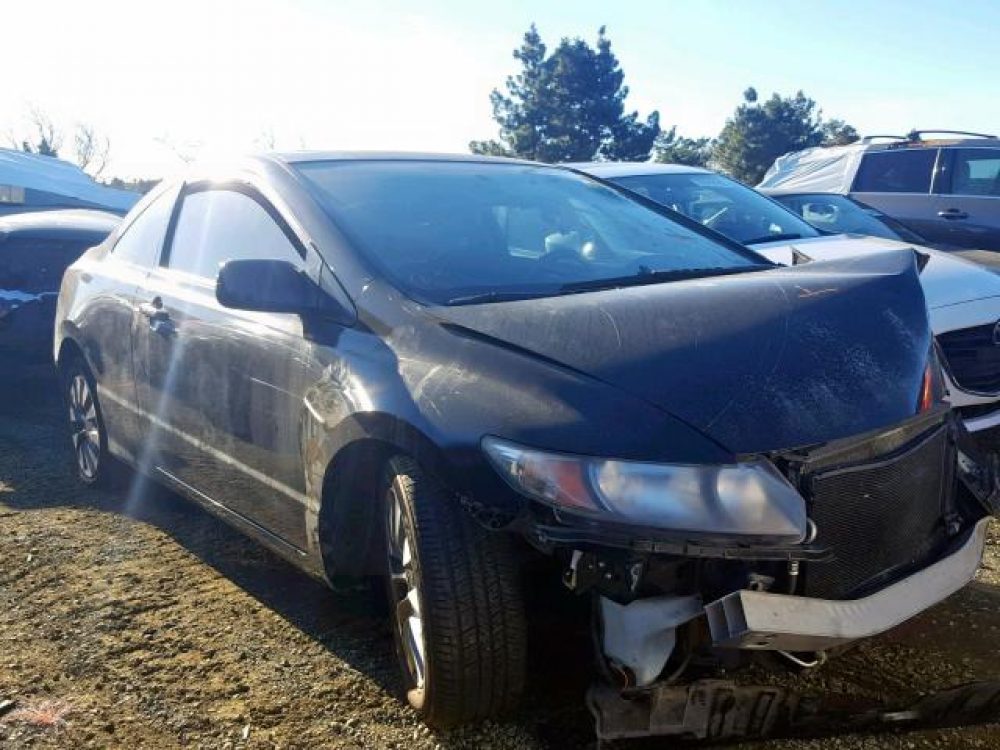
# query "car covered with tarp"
(946, 188)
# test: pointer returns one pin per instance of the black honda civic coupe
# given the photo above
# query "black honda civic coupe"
(436, 368)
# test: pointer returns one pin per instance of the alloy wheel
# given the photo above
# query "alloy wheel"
(86, 430)
(405, 592)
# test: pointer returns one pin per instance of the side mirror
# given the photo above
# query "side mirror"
(271, 286)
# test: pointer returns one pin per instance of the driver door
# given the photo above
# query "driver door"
(224, 388)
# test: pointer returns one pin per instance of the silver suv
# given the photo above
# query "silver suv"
(948, 190)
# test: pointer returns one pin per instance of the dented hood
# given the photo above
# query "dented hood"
(947, 279)
(760, 361)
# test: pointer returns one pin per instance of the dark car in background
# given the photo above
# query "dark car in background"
(947, 189)
(35, 250)
(436, 368)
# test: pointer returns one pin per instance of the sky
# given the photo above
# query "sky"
(170, 80)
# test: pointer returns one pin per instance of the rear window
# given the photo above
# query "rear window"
(37, 265)
(907, 171)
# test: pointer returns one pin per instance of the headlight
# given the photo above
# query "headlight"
(745, 500)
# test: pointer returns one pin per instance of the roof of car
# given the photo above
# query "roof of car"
(59, 222)
(609, 169)
(297, 157)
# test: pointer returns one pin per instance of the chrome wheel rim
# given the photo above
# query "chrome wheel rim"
(405, 592)
(86, 432)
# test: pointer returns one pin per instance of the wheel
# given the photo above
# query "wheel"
(455, 603)
(90, 442)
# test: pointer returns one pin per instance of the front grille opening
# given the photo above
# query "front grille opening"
(880, 518)
(973, 358)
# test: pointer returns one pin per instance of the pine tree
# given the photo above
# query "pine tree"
(568, 106)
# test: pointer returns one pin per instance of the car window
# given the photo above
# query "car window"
(722, 204)
(37, 264)
(976, 171)
(142, 240)
(841, 215)
(897, 171)
(446, 232)
(219, 225)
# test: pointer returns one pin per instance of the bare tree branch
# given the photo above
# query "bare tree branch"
(92, 150)
(266, 139)
(12, 140)
(187, 152)
(49, 138)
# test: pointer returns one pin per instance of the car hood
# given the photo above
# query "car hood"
(946, 278)
(762, 361)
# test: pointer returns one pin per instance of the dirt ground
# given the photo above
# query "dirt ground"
(155, 626)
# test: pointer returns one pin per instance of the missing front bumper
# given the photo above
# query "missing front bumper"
(723, 710)
(766, 621)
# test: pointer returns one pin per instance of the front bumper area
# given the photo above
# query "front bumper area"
(982, 419)
(767, 621)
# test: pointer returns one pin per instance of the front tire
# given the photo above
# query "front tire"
(455, 603)
(87, 433)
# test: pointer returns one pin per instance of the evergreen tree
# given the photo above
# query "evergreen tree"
(671, 148)
(568, 106)
(760, 132)
(838, 133)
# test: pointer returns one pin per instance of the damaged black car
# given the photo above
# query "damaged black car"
(434, 368)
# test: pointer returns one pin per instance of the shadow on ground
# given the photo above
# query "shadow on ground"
(36, 474)
(243, 672)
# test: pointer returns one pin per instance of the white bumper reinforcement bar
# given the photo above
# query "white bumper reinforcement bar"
(762, 620)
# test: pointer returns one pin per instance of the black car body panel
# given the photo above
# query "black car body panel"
(753, 361)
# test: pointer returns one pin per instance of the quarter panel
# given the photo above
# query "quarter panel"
(95, 310)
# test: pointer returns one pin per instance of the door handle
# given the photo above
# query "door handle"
(953, 213)
(159, 319)
(153, 310)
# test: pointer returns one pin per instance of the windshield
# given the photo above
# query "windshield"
(841, 215)
(724, 205)
(458, 232)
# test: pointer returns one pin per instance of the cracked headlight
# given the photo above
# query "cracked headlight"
(743, 501)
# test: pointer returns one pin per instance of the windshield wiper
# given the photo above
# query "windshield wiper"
(773, 238)
(495, 296)
(647, 276)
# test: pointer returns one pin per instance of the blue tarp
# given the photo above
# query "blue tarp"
(48, 181)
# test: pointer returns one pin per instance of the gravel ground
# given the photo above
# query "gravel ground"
(147, 623)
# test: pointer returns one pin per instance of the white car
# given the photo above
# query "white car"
(963, 298)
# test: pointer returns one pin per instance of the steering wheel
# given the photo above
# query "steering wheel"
(711, 221)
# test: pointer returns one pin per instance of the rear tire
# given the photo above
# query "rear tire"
(455, 602)
(87, 433)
